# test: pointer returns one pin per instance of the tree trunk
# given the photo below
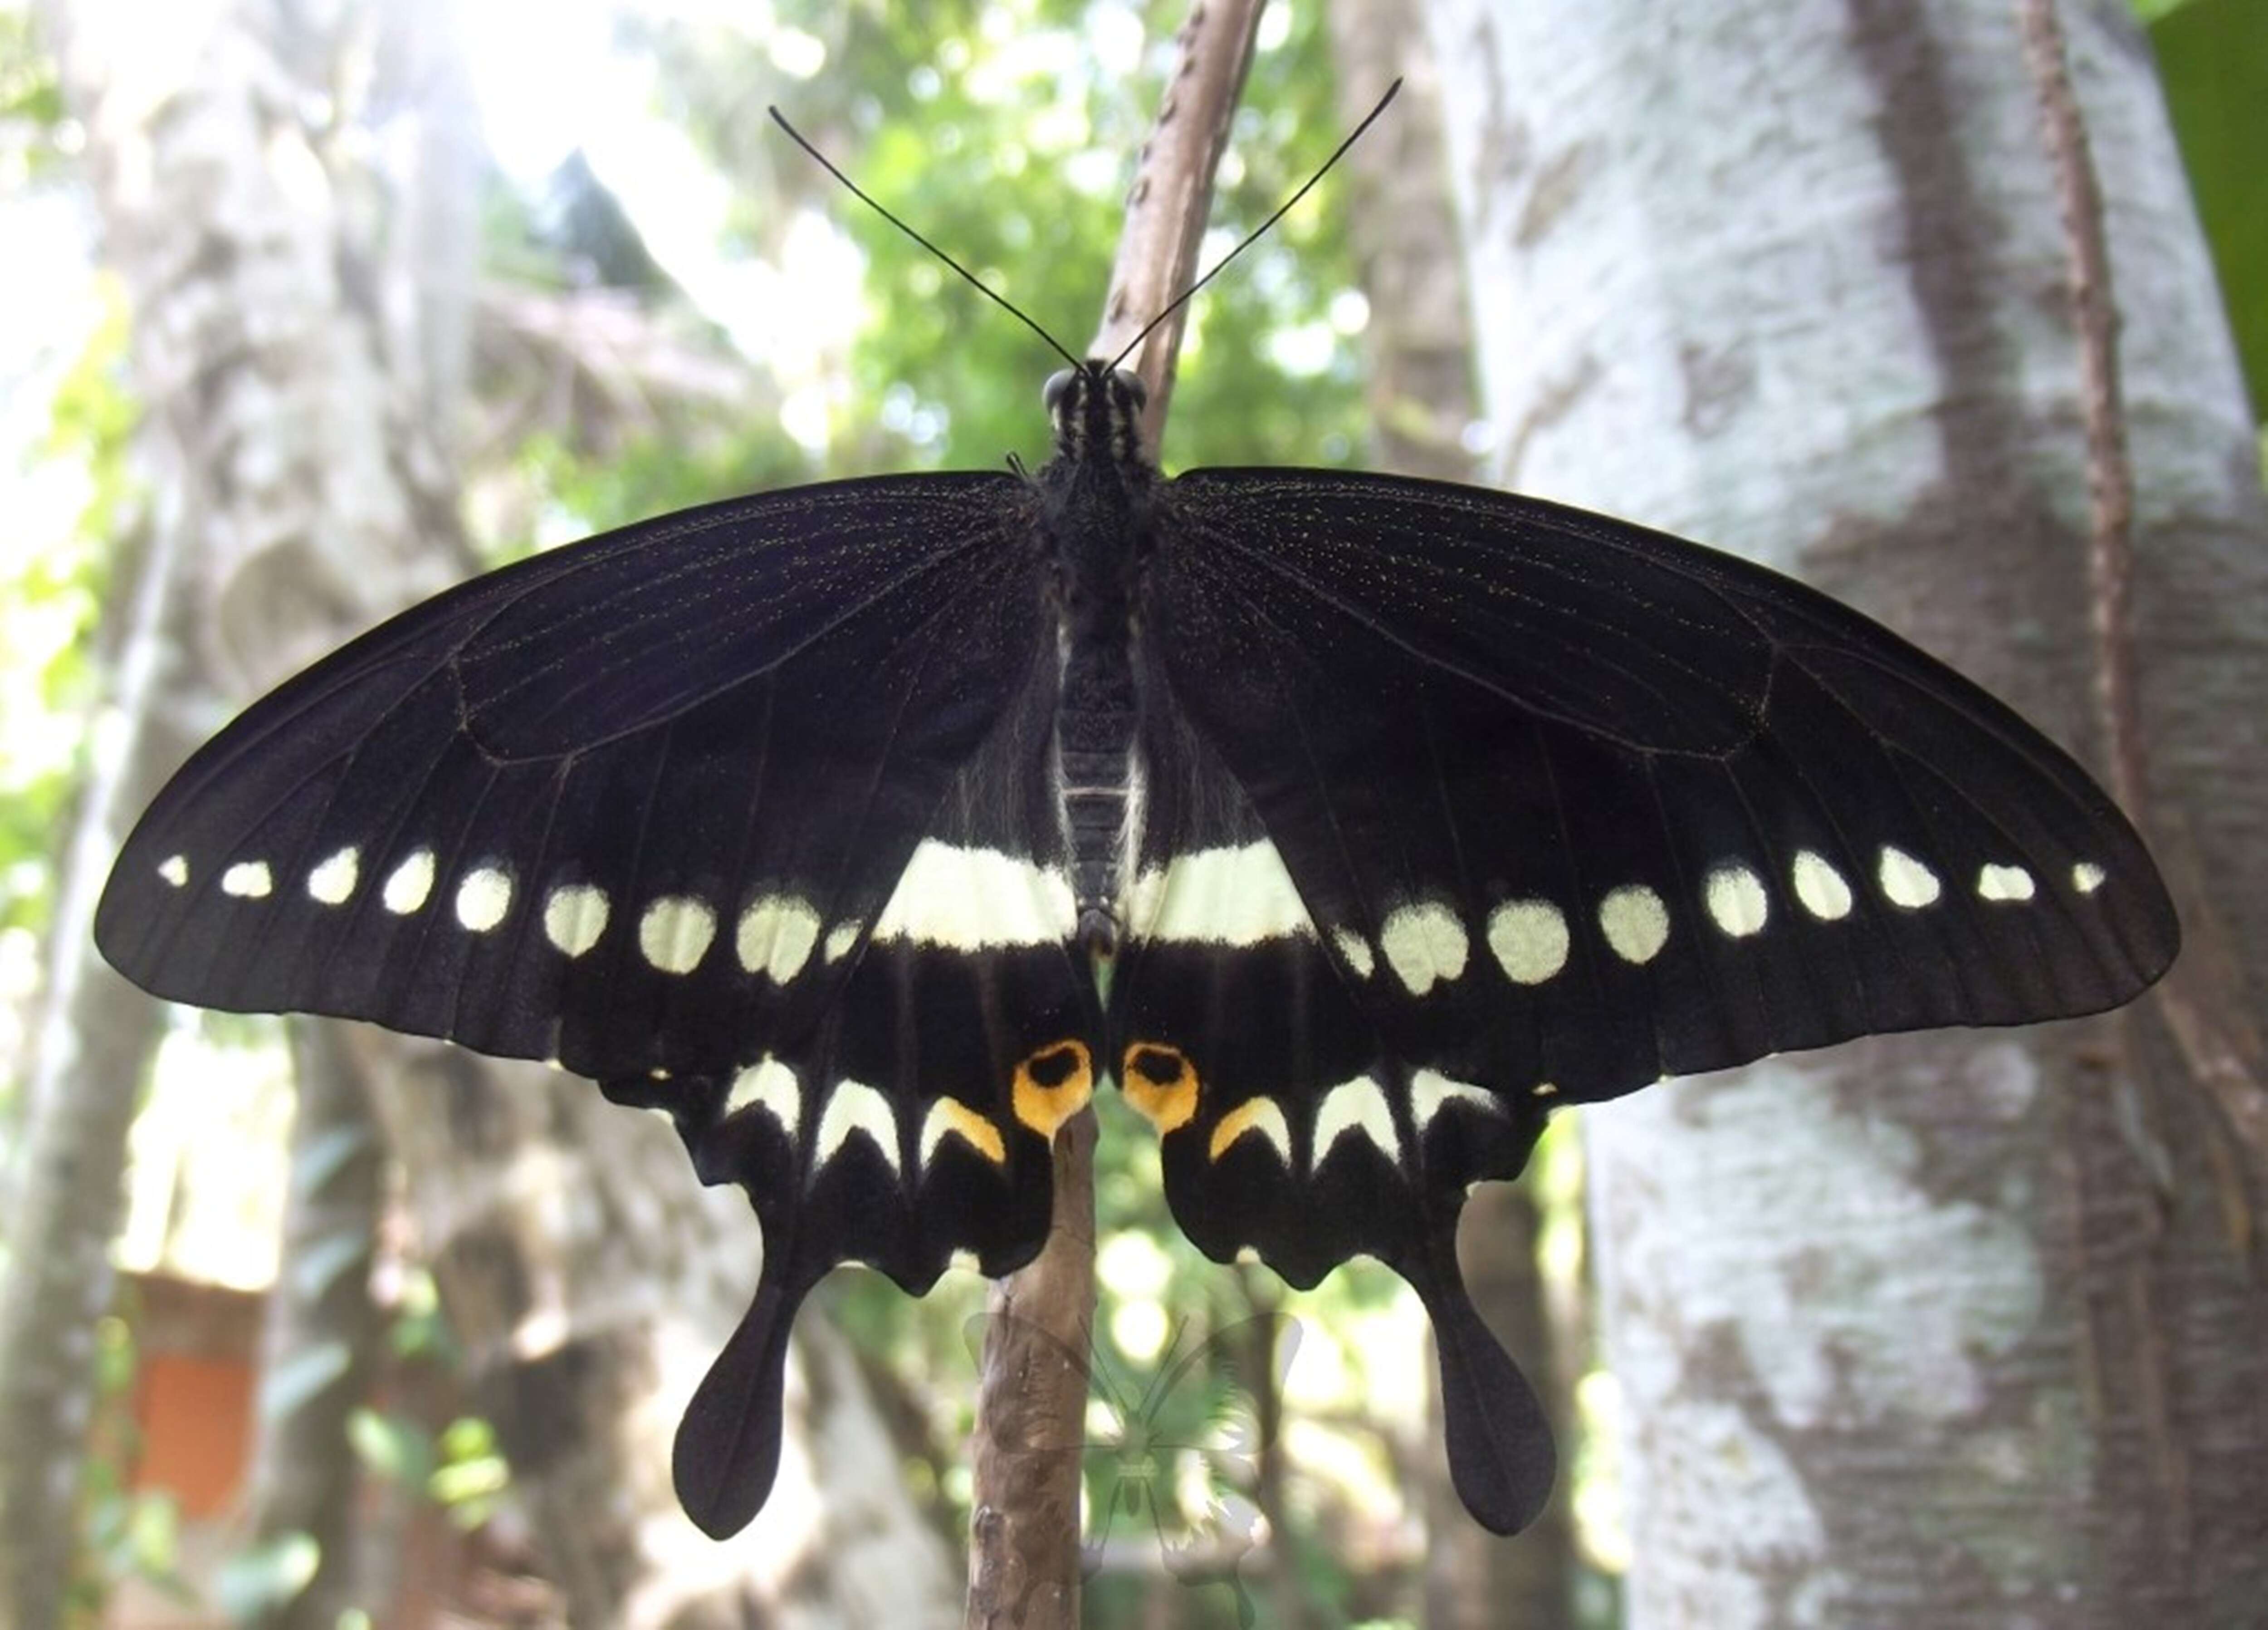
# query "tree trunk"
(1418, 350)
(322, 1341)
(1952, 1329)
(301, 339)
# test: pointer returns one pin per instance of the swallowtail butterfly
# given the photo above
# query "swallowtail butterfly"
(1348, 823)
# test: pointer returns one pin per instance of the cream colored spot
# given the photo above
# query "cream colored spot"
(333, 883)
(1425, 944)
(2006, 882)
(1635, 922)
(1356, 1105)
(841, 938)
(952, 1118)
(1239, 895)
(1530, 938)
(674, 935)
(966, 1261)
(483, 898)
(1262, 1118)
(248, 880)
(410, 884)
(575, 915)
(2087, 877)
(855, 1107)
(776, 937)
(175, 870)
(769, 1086)
(1905, 881)
(1544, 1089)
(1355, 951)
(969, 899)
(1431, 1092)
(1735, 898)
(1820, 887)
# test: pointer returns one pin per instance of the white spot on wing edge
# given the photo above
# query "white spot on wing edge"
(1530, 940)
(841, 938)
(1241, 895)
(1635, 922)
(854, 1107)
(1354, 1105)
(769, 1086)
(333, 882)
(175, 870)
(248, 880)
(1736, 900)
(969, 899)
(1431, 1092)
(2004, 882)
(411, 884)
(1355, 951)
(1262, 1117)
(674, 933)
(776, 936)
(483, 897)
(1820, 888)
(1905, 880)
(574, 916)
(1425, 944)
(2087, 877)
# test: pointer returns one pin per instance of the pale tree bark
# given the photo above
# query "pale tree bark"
(1956, 1329)
(287, 194)
(1419, 389)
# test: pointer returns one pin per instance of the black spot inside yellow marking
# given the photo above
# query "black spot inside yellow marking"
(1053, 1084)
(1161, 1083)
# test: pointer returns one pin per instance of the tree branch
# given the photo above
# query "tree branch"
(1031, 1406)
(2199, 998)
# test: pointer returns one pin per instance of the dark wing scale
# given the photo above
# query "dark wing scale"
(1568, 806)
(643, 807)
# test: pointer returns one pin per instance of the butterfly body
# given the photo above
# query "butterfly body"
(1400, 814)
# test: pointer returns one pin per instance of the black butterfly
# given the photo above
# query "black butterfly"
(1350, 823)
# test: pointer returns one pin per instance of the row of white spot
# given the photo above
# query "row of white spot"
(1357, 1107)
(855, 1109)
(774, 934)
(1243, 895)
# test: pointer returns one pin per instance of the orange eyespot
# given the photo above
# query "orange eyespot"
(1053, 1084)
(1161, 1083)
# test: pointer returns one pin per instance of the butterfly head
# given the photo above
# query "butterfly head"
(1096, 410)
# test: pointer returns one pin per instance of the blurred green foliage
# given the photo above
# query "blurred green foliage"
(2212, 59)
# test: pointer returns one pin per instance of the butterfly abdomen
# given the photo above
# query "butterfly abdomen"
(1096, 520)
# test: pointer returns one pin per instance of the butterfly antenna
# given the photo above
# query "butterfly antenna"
(975, 282)
(1282, 210)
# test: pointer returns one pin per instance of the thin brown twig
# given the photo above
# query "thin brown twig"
(2221, 1049)
(1024, 1564)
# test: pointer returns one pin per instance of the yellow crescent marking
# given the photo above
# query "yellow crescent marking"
(1263, 1115)
(1161, 1083)
(1053, 1084)
(952, 1117)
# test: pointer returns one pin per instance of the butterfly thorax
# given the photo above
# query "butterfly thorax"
(1096, 495)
